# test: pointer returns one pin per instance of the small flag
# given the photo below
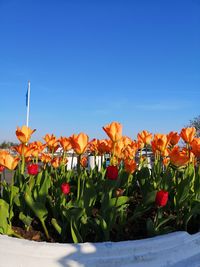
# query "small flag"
(27, 98)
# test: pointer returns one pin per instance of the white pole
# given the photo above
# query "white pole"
(28, 103)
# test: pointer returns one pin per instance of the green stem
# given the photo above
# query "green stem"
(63, 162)
(101, 161)
(56, 226)
(45, 229)
(158, 214)
(11, 201)
(128, 183)
(79, 164)
(78, 186)
(23, 160)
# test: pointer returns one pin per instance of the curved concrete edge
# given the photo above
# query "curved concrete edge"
(177, 249)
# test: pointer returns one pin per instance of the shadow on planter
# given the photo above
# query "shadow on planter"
(177, 249)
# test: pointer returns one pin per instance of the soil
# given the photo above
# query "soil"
(30, 234)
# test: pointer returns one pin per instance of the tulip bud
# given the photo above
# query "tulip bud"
(112, 172)
(161, 198)
(1, 168)
(32, 169)
(119, 192)
(65, 188)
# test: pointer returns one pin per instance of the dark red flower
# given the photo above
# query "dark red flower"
(32, 169)
(112, 172)
(65, 188)
(161, 198)
(1, 168)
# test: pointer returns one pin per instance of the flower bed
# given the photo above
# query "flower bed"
(131, 198)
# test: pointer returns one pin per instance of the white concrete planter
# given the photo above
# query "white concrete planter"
(178, 249)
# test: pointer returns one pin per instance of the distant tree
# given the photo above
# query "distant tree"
(5, 145)
(196, 123)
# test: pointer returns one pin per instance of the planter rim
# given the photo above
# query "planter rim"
(179, 247)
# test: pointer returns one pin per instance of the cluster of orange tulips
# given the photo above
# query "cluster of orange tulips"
(120, 148)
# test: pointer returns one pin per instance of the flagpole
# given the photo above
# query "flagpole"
(28, 103)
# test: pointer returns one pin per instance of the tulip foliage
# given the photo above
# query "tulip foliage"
(135, 188)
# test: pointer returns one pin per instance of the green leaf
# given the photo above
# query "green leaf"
(190, 175)
(139, 212)
(26, 219)
(194, 211)
(165, 220)
(150, 227)
(4, 215)
(118, 201)
(197, 182)
(74, 231)
(37, 207)
(123, 179)
(104, 227)
(56, 225)
(73, 211)
(44, 187)
(183, 191)
(89, 196)
(150, 197)
(143, 174)
(38, 178)
(167, 179)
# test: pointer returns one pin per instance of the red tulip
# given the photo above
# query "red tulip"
(112, 172)
(1, 168)
(161, 198)
(32, 169)
(65, 188)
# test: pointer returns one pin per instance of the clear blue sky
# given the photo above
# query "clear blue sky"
(91, 62)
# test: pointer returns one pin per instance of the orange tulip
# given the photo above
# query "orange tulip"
(8, 161)
(24, 134)
(57, 161)
(84, 162)
(166, 161)
(188, 134)
(159, 143)
(129, 152)
(173, 138)
(79, 142)
(179, 158)
(104, 146)
(45, 158)
(130, 166)
(134, 145)
(118, 148)
(114, 131)
(65, 143)
(3, 154)
(195, 145)
(24, 150)
(37, 147)
(93, 146)
(126, 141)
(144, 138)
(51, 142)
